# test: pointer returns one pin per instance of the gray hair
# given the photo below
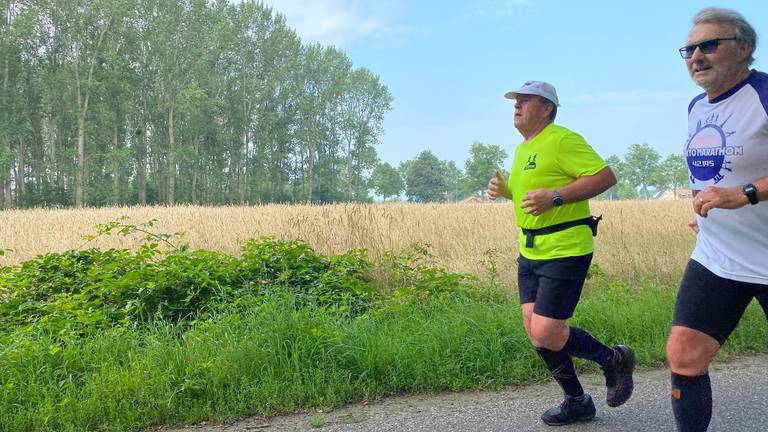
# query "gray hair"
(742, 30)
(552, 114)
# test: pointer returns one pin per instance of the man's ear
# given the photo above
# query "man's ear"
(548, 103)
(551, 108)
(744, 50)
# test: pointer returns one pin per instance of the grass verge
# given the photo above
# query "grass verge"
(267, 357)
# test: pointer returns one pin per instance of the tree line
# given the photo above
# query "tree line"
(644, 171)
(120, 102)
(428, 179)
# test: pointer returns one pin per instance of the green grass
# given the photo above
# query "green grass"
(275, 354)
(273, 358)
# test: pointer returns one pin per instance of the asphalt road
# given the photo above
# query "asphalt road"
(740, 390)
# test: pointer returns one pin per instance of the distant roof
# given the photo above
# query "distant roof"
(681, 193)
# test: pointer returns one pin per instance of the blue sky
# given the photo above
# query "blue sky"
(447, 64)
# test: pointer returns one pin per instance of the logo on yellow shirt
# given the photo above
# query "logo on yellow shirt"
(531, 163)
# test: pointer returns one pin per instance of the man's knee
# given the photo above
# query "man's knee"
(690, 352)
(678, 355)
(547, 335)
(539, 338)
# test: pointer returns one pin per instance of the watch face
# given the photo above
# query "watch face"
(751, 192)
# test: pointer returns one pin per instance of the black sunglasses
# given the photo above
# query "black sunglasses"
(706, 47)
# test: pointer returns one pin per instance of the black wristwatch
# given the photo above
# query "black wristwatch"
(751, 192)
(557, 199)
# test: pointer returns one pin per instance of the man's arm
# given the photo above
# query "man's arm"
(538, 201)
(713, 197)
(587, 187)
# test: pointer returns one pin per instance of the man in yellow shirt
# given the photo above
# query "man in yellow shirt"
(554, 174)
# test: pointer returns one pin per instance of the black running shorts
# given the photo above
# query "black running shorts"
(714, 305)
(554, 285)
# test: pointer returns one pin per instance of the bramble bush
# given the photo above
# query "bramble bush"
(80, 291)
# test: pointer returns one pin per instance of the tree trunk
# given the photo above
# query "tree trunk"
(158, 178)
(349, 169)
(8, 199)
(141, 162)
(51, 173)
(171, 160)
(21, 184)
(61, 178)
(241, 181)
(6, 144)
(115, 167)
(194, 187)
(80, 171)
(196, 172)
(82, 105)
(310, 166)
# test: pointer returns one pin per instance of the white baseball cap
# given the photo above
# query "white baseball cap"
(539, 88)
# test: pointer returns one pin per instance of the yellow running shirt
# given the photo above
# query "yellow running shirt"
(550, 160)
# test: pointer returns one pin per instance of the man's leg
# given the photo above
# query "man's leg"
(547, 301)
(617, 363)
(555, 338)
(583, 345)
(707, 310)
(548, 336)
(558, 295)
(689, 353)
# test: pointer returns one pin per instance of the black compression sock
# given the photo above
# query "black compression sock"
(583, 345)
(691, 402)
(560, 365)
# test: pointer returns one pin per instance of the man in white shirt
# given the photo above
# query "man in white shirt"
(727, 157)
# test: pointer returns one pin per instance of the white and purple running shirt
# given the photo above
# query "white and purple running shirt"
(728, 147)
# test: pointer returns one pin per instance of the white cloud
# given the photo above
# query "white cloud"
(338, 22)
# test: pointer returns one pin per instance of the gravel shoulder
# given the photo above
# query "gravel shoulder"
(738, 387)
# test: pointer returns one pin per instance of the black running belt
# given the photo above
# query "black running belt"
(591, 222)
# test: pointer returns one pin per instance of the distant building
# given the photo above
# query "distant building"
(671, 194)
(474, 199)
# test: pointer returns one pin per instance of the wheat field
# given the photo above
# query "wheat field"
(636, 239)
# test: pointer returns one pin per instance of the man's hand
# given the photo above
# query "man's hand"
(716, 197)
(694, 226)
(497, 186)
(537, 201)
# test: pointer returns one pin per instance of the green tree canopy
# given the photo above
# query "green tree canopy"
(425, 179)
(484, 161)
(641, 167)
(387, 181)
(454, 179)
(673, 172)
